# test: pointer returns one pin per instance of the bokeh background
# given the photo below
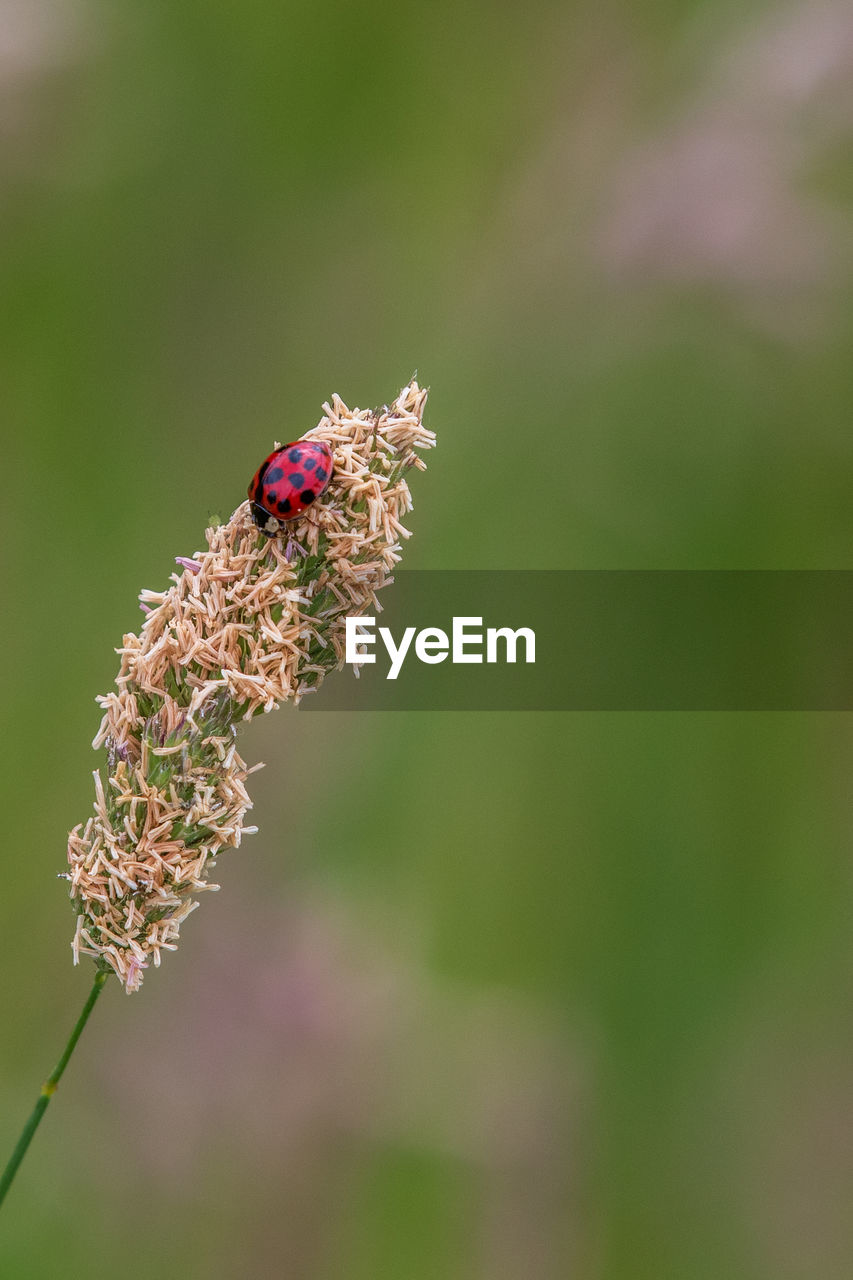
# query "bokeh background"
(489, 996)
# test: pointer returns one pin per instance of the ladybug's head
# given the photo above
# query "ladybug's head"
(267, 523)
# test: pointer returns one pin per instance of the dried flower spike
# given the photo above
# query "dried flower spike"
(248, 624)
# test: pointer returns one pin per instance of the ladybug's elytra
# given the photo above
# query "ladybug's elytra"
(288, 481)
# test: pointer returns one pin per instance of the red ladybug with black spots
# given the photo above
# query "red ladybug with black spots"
(288, 481)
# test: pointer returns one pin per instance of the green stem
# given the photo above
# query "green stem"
(48, 1089)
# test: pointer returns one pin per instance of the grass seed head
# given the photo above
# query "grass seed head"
(247, 624)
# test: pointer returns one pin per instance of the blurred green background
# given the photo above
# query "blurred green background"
(489, 996)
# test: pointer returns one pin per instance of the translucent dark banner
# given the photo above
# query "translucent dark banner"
(606, 641)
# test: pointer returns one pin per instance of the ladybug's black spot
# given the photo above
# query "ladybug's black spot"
(309, 464)
(322, 475)
(297, 479)
(254, 489)
(307, 495)
(274, 474)
(295, 455)
(284, 505)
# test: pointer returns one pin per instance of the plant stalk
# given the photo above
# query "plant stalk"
(48, 1089)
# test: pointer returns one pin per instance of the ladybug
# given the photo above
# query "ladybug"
(288, 481)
